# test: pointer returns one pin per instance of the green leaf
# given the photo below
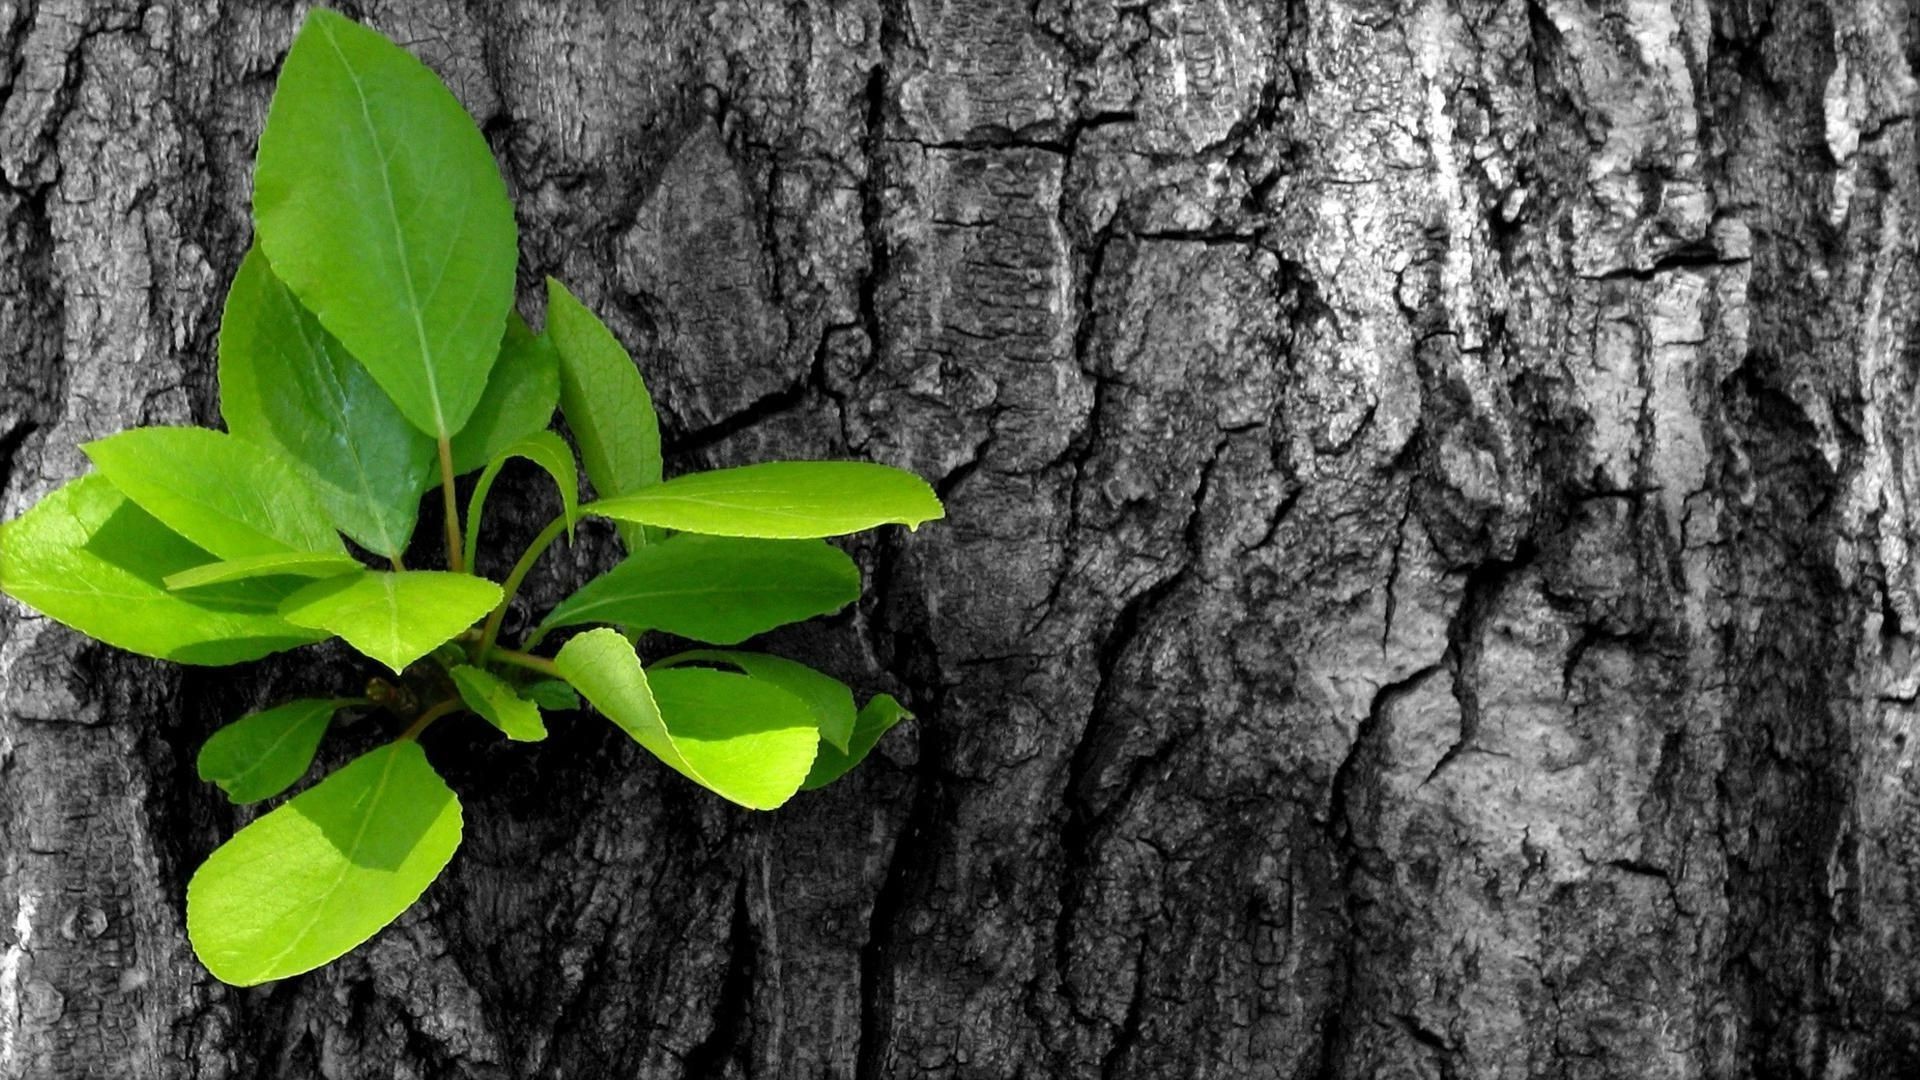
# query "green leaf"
(551, 695)
(286, 383)
(289, 564)
(825, 696)
(380, 205)
(228, 496)
(780, 500)
(490, 696)
(543, 448)
(747, 741)
(521, 395)
(261, 754)
(879, 716)
(714, 589)
(395, 617)
(605, 402)
(90, 559)
(324, 872)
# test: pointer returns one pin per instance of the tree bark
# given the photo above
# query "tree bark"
(1427, 589)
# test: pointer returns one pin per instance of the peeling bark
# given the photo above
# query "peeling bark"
(1428, 588)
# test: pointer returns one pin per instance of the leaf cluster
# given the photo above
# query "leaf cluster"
(369, 352)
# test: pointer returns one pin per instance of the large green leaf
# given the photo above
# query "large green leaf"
(749, 742)
(326, 871)
(829, 699)
(605, 402)
(780, 500)
(497, 703)
(879, 716)
(714, 589)
(226, 495)
(86, 557)
(521, 395)
(287, 384)
(395, 617)
(543, 448)
(302, 564)
(380, 205)
(261, 754)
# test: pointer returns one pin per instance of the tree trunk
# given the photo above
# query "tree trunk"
(1427, 588)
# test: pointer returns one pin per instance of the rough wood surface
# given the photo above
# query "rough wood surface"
(1429, 587)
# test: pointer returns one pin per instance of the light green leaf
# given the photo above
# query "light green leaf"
(289, 564)
(606, 404)
(261, 754)
(88, 558)
(381, 207)
(714, 589)
(543, 448)
(522, 393)
(228, 496)
(286, 383)
(879, 716)
(747, 741)
(826, 697)
(780, 500)
(324, 872)
(551, 695)
(490, 696)
(395, 617)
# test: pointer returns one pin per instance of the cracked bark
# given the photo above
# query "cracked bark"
(1324, 392)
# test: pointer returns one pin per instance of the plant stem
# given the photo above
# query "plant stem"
(428, 717)
(454, 562)
(507, 592)
(527, 660)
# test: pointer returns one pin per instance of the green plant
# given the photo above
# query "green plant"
(369, 352)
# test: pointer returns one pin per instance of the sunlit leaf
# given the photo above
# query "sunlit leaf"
(750, 742)
(489, 696)
(522, 393)
(380, 205)
(325, 871)
(606, 404)
(224, 494)
(86, 557)
(395, 617)
(826, 697)
(780, 500)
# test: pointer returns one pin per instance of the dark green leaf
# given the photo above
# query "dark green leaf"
(551, 695)
(714, 589)
(879, 716)
(226, 495)
(780, 500)
(743, 739)
(521, 395)
(286, 383)
(380, 206)
(86, 557)
(261, 754)
(325, 871)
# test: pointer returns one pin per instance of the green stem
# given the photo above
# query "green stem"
(428, 717)
(528, 661)
(539, 547)
(452, 508)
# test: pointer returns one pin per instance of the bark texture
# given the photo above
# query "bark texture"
(1429, 588)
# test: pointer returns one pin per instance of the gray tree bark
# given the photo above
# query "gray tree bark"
(1428, 589)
